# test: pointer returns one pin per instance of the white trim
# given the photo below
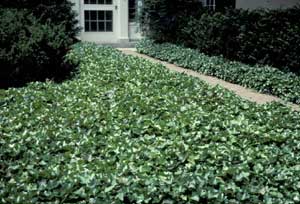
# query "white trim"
(99, 37)
(123, 30)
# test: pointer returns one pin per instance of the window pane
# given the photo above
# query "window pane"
(98, 21)
(101, 15)
(109, 26)
(93, 1)
(93, 15)
(86, 2)
(86, 15)
(93, 26)
(108, 15)
(132, 15)
(87, 26)
(132, 10)
(101, 26)
(108, 1)
(132, 3)
(100, 1)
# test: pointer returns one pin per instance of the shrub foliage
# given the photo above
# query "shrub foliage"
(128, 131)
(56, 12)
(31, 50)
(261, 78)
(35, 37)
(162, 20)
(269, 37)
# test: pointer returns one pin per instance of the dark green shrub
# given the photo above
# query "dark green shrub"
(222, 5)
(261, 78)
(35, 37)
(56, 12)
(162, 19)
(269, 37)
(31, 50)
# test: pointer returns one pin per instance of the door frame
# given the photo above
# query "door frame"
(100, 37)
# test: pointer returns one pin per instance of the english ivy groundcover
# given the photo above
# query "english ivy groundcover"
(264, 79)
(125, 130)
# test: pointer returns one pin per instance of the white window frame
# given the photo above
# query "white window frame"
(97, 21)
(98, 2)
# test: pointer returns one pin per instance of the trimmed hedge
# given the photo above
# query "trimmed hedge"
(270, 37)
(126, 130)
(263, 79)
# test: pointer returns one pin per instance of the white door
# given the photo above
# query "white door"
(98, 20)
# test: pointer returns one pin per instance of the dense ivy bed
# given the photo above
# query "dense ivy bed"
(263, 79)
(128, 131)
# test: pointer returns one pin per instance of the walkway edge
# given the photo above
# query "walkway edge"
(246, 93)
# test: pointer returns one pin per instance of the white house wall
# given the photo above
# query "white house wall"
(120, 32)
(123, 21)
(271, 4)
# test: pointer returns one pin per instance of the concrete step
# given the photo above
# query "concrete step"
(130, 44)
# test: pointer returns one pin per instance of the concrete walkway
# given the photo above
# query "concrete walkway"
(243, 92)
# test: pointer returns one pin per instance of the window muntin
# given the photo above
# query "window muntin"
(98, 21)
(210, 4)
(109, 2)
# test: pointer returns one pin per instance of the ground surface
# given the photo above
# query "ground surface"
(243, 92)
(125, 130)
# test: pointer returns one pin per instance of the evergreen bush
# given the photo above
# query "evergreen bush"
(270, 37)
(162, 20)
(56, 12)
(35, 37)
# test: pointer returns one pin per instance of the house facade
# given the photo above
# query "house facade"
(108, 21)
(115, 22)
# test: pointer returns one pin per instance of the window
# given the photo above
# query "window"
(219, 5)
(135, 7)
(210, 4)
(132, 10)
(97, 1)
(98, 21)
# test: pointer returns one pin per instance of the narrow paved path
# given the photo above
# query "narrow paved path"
(243, 92)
